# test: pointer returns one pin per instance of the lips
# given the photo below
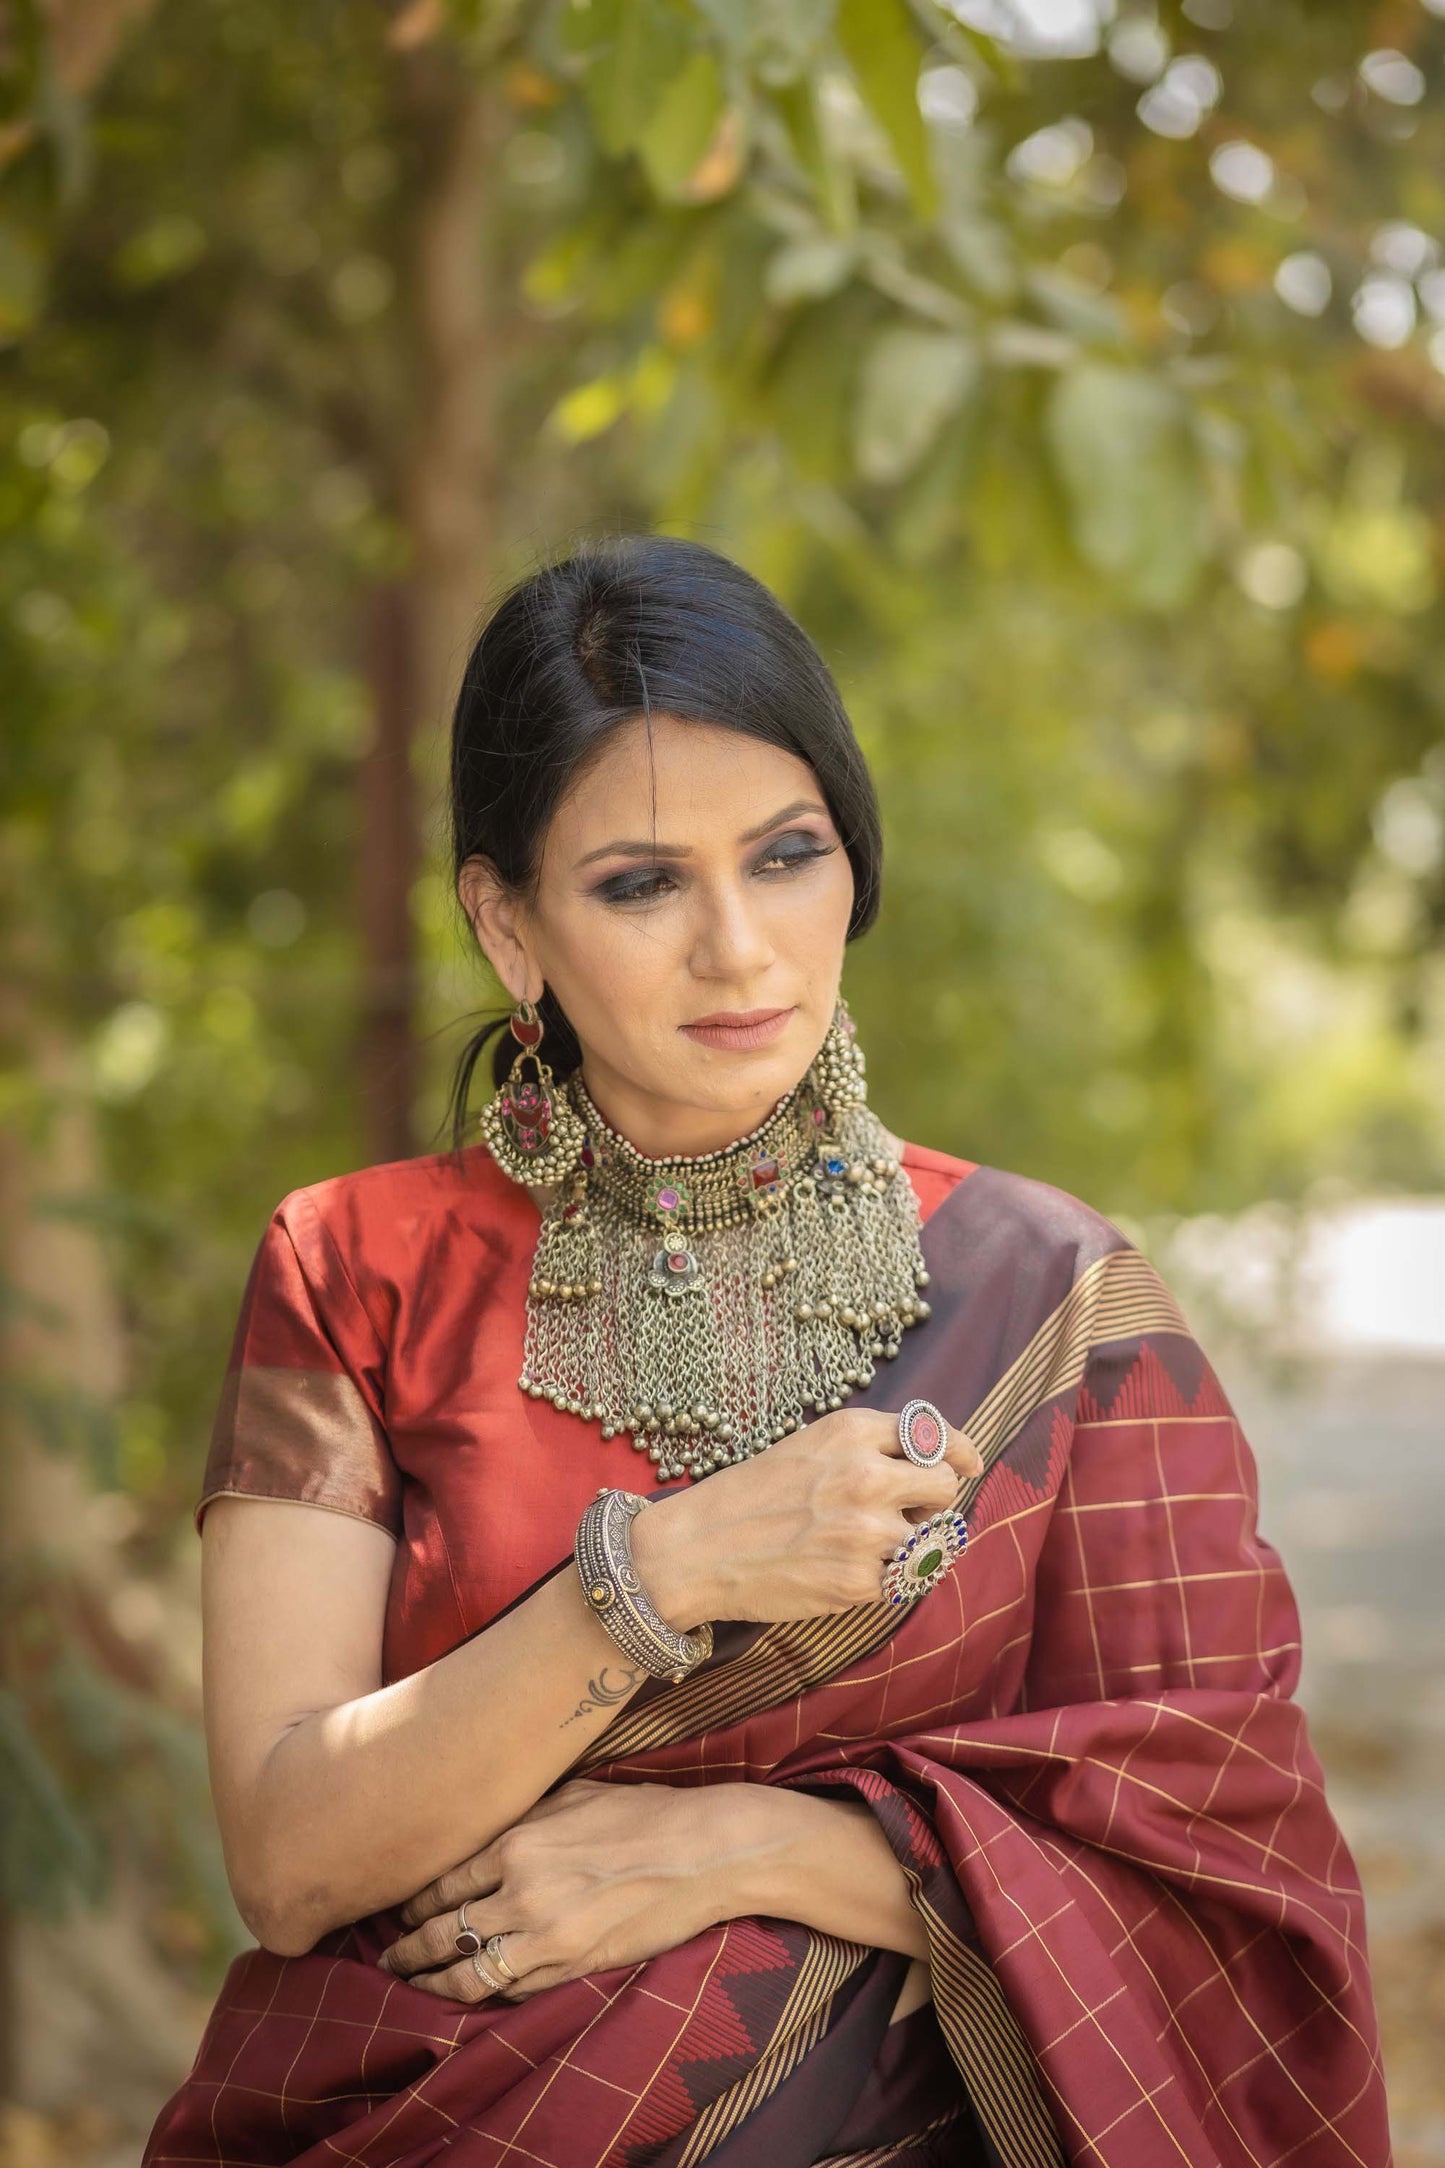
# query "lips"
(738, 1029)
(735, 1019)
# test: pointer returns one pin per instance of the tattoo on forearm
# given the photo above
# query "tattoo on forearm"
(611, 1685)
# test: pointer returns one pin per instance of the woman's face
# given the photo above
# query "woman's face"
(690, 916)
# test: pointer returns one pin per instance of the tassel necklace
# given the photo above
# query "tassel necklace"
(706, 1303)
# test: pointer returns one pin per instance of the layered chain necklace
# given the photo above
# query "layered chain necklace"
(705, 1304)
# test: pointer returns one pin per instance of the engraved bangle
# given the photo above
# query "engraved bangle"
(613, 1588)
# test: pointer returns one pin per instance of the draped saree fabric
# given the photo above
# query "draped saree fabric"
(1145, 1932)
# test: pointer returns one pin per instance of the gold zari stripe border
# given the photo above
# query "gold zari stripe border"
(1119, 1297)
(801, 2024)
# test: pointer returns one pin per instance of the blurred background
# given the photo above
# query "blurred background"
(1075, 371)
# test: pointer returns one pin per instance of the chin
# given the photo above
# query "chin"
(728, 1083)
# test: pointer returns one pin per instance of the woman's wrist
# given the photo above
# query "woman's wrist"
(744, 1852)
(664, 1557)
(823, 1861)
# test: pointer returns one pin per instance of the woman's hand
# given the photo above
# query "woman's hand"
(593, 1875)
(801, 1529)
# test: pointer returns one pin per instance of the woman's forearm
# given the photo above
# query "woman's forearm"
(825, 1862)
(360, 1805)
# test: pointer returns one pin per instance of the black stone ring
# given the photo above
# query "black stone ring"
(468, 1940)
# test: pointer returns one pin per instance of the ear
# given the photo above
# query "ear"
(499, 921)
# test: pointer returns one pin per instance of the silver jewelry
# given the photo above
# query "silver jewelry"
(705, 1304)
(922, 1433)
(495, 1952)
(467, 1939)
(493, 1986)
(920, 1564)
(602, 1548)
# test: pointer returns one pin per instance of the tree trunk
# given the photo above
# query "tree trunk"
(420, 629)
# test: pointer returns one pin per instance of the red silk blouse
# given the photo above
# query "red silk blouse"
(374, 1372)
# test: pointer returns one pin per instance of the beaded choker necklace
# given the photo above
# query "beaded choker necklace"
(706, 1303)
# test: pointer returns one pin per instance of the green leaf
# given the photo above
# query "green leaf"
(1076, 308)
(646, 44)
(1122, 446)
(881, 47)
(912, 381)
(797, 105)
(808, 270)
(683, 125)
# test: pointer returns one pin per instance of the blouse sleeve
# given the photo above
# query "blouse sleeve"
(301, 1413)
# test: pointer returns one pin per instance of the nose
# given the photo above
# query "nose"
(731, 939)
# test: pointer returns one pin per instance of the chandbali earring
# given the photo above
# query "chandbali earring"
(531, 1128)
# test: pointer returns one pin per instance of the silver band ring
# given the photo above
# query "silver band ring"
(468, 1941)
(494, 1951)
(493, 1985)
(922, 1433)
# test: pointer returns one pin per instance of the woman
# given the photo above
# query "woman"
(719, 1701)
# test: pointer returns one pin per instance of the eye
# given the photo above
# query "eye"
(785, 853)
(776, 855)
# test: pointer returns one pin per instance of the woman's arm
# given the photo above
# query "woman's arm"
(825, 1862)
(337, 1795)
(602, 1874)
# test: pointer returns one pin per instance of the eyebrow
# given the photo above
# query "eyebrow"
(648, 849)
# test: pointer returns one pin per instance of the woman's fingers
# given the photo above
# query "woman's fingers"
(435, 1941)
(460, 1982)
(430, 1956)
(474, 1877)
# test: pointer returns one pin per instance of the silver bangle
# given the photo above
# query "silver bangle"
(602, 1548)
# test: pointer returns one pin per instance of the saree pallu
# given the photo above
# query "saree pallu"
(1145, 1931)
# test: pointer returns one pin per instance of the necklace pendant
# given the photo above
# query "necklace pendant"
(761, 1176)
(675, 1271)
(668, 1200)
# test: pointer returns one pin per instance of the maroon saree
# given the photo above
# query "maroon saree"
(1145, 1931)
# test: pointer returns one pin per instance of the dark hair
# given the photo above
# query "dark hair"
(632, 625)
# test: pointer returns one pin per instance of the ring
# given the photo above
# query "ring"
(920, 1564)
(495, 1986)
(922, 1433)
(468, 1941)
(494, 1951)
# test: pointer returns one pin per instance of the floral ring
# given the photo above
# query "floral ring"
(920, 1564)
(922, 1433)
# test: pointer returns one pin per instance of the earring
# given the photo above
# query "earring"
(531, 1128)
(838, 1075)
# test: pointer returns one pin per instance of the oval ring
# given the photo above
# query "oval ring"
(922, 1433)
(496, 1954)
(468, 1941)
